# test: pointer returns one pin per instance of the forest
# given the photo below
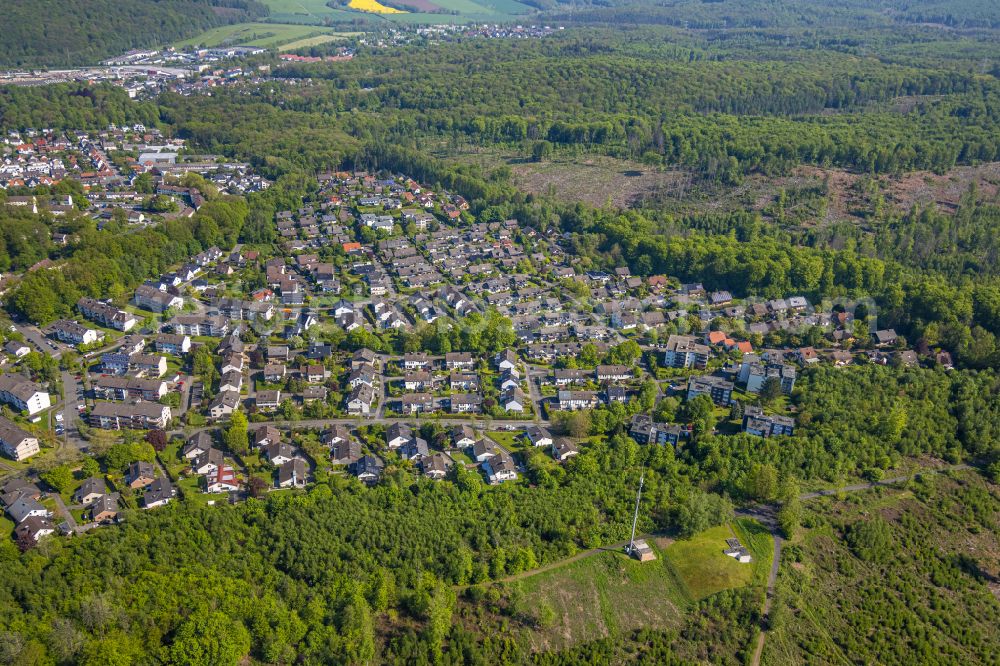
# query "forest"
(45, 33)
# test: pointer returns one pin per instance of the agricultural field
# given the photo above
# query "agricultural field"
(316, 12)
(373, 6)
(266, 35)
(305, 12)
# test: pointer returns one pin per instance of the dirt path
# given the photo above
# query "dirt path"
(583, 554)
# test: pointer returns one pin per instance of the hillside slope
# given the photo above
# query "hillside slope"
(41, 33)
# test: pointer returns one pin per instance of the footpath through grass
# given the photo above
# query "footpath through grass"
(603, 595)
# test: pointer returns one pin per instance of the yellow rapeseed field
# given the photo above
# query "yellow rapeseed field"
(373, 6)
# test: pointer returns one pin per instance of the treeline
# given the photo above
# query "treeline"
(72, 106)
(272, 137)
(41, 33)
(722, 116)
(811, 14)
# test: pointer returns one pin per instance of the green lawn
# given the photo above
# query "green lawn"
(459, 457)
(6, 527)
(508, 439)
(601, 595)
(702, 568)
(190, 487)
(171, 458)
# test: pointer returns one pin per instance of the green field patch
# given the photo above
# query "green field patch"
(703, 569)
(265, 35)
(310, 41)
(510, 440)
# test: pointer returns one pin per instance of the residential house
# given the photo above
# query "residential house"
(484, 449)
(265, 436)
(73, 333)
(363, 375)
(128, 388)
(222, 480)
(267, 400)
(462, 436)
(416, 361)
(17, 349)
(313, 373)
(149, 365)
(885, 337)
(345, 452)
(500, 468)
(645, 431)
(416, 403)
(568, 376)
(459, 361)
(25, 507)
(363, 357)
(754, 374)
(90, 490)
(506, 360)
(278, 453)
(106, 314)
(34, 528)
(360, 400)
(196, 445)
(419, 380)
(152, 299)
(436, 466)
(158, 493)
(510, 379)
(513, 399)
(15, 442)
(465, 403)
(274, 372)
(807, 356)
(104, 509)
(464, 381)
(574, 400)
(231, 381)
(224, 404)
(207, 462)
(140, 474)
(415, 449)
(538, 436)
(612, 373)
(563, 449)
(292, 474)
(22, 394)
(368, 469)
(173, 344)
